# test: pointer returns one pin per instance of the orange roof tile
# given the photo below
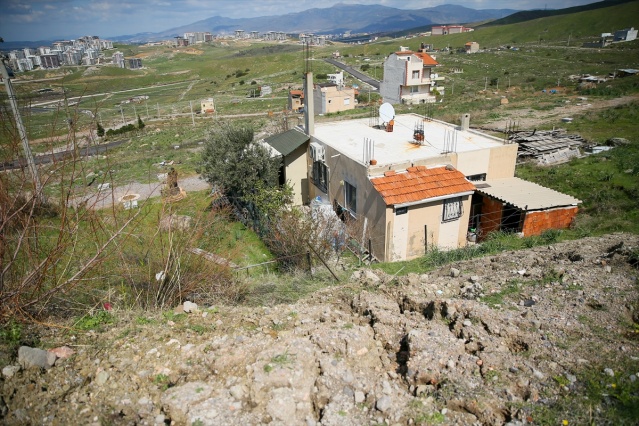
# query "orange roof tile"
(420, 183)
(425, 57)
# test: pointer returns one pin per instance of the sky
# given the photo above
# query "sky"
(31, 20)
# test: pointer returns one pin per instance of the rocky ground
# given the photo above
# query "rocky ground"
(507, 339)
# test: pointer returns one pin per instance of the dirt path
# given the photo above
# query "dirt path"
(110, 196)
(529, 118)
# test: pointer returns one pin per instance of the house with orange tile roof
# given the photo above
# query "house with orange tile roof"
(295, 100)
(423, 183)
(409, 77)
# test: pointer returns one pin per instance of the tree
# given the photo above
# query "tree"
(140, 123)
(238, 164)
(100, 130)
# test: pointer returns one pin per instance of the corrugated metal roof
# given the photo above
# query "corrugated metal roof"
(287, 142)
(525, 195)
(420, 183)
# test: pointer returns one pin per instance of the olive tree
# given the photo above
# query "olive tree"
(234, 161)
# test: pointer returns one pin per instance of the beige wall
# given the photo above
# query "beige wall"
(331, 99)
(502, 161)
(295, 171)
(369, 202)
(421, 228)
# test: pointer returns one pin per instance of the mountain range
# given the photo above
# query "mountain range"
(337, 19)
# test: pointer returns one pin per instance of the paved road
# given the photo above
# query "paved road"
(58, 156)
(358, 75)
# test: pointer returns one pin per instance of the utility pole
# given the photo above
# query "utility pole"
(39, 195)
(485, 83)
(158, 105)
(147, 109)
(122, 113)
(192, 116)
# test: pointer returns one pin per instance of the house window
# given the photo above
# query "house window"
(416, 74)
(400, 210)
(414, 89)
(347, 101)
(481, 177)
(320, 176)
(350, 197)
(452, 209)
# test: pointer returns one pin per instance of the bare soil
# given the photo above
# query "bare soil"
(529, 118)
(490, 341)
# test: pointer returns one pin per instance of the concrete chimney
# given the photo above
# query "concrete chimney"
(465, 122)
(309, 107)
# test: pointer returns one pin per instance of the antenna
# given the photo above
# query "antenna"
(418, 133)
(373, 119)
(308, 57)
(386, 113)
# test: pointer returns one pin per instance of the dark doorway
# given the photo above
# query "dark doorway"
(510, 219)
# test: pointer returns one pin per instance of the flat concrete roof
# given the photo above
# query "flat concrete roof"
(348, 137)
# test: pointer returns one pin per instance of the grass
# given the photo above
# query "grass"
(596, 399)
(606, 183)
(496, 242)
(96, 321)
(498, 299)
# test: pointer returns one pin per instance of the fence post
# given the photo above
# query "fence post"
(310, 265)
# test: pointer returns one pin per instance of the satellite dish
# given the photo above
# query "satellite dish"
(386, 112)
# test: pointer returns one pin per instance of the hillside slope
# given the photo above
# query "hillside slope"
(534, 336)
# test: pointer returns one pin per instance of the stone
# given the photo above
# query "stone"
(101, 378)
(237, 391)
(383, 403)
(370, 277)
(609, 372)
(189, 307)
(63, 352)
(454, 272)
(359, 397)
(10, 370)
(35, 358)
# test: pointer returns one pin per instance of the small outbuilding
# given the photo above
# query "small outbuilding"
(516, 205)
(291, 147)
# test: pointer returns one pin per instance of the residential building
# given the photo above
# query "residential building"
(291, 146)
(627, 34)
(409, 77)
(450, 29)
(50, 61)
(296, 100)
(207, 106)
(118, 59)
(413, 184)
(134, 63)
(471, 47)
(337, 78)
(330, 98)
(25, 64)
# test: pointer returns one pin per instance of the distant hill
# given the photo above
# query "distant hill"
(529, 15)
(335, 19)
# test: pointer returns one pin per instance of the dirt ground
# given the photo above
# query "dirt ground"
(529, 119)
(517, 338)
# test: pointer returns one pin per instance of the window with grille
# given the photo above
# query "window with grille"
(452, 209)
(416, 74)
